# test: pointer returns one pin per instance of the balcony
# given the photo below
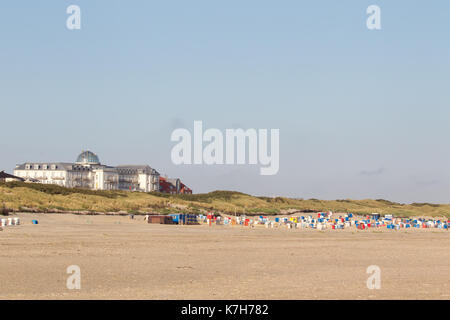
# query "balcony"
(57, 178)
(82, 179)
(128, 181)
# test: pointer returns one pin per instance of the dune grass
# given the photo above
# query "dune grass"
(20, 196)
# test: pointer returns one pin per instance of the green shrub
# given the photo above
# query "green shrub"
(201, 197)
(55, 189)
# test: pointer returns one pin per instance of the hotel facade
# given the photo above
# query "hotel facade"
(88, 172)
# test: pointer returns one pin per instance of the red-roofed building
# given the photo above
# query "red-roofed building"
(167, 186)
(184, 189)
(173, 186)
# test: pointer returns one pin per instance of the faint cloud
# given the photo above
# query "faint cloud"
(376, 172)
(176, 123)
(426, 182)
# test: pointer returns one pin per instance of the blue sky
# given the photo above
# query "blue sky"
(362, 114)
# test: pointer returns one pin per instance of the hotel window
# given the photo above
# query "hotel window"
(36, 167)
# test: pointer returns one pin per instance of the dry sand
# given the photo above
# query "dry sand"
(130, 259)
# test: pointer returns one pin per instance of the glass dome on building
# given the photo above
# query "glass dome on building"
(88, 157)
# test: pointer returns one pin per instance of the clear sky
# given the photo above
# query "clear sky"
(362, 114)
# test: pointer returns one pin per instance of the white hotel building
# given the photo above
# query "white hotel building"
(88, 172)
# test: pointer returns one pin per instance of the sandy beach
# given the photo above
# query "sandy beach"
(122, 258)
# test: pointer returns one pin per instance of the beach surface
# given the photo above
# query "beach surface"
(121, 258)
